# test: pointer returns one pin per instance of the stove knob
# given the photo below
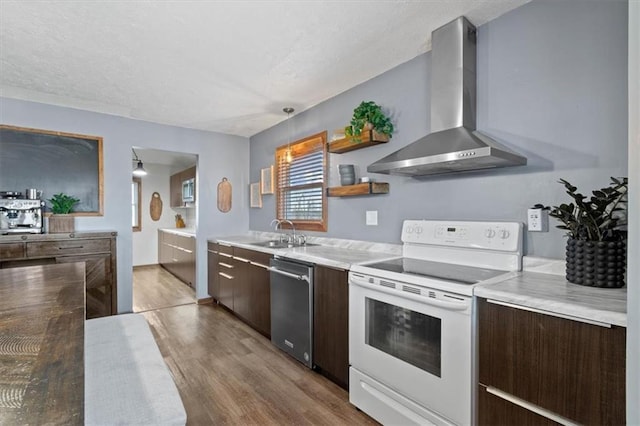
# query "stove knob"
(418, 230)
(409, 230)
(489, 233)
(504, 234)
(17, 205)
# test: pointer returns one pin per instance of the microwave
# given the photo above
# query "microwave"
(188, 191)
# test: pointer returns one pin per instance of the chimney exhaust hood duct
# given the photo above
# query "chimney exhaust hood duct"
(454, 144)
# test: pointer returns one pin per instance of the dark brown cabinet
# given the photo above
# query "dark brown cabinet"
(177, 254)
(572, 369)
(97, 250)
(226, 266)
(253, 288)
(213, 279)
(175, 186)
(239, 279)
(331, 323)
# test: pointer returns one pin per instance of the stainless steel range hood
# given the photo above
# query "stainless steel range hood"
(454, 145)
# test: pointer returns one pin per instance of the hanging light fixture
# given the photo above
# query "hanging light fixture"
(139, 170)
(288, 156)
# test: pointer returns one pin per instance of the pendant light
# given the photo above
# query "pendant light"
(139, 170)
(288, 156)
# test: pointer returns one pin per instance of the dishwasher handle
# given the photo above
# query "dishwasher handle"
(289, 274)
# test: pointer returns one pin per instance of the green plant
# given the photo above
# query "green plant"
(369, 112)
(603, 217)
(62, 203)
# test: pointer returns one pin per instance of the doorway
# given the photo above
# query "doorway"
(155, 207)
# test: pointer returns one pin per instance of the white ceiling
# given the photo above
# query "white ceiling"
(224, 66)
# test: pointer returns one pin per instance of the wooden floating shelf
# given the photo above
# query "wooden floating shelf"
(351, 143)
(368, 188)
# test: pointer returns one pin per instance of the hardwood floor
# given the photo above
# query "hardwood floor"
(155, 288)
(227, 373)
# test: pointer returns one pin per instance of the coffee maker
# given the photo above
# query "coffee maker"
(19, 214)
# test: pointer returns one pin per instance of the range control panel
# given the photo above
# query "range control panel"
(480, 235)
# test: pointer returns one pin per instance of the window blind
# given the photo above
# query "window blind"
(300, 195)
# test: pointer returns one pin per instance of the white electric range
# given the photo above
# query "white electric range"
(411, 320)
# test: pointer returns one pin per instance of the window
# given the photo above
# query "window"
(136, 200)
(301, 183)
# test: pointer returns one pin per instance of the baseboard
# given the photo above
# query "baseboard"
(205, 301)
(152, 265)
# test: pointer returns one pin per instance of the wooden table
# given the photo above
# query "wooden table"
(42, 310)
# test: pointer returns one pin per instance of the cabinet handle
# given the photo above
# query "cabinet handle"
(187, 251)
(70, 247)
(530, 407)
(227, 276)
(260, 265)
(553, 314)
(241, 259)
(226, 265)
(225, 255)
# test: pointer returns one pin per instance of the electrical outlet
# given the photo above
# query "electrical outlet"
(372, 217)
(537, 220)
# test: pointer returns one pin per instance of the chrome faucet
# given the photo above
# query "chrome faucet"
(291, 237)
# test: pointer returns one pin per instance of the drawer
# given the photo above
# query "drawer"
(253, 256)
(68, 247)
(222, 249)
(10, 251)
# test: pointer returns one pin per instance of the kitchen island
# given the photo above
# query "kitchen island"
(42, 311)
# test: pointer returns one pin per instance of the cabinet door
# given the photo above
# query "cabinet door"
(213, 279)
(331, 323)
(99, 282)
(242, 287)
(226, 283)
(256, 285)
(9, 251)
(175, 188)
(571, 368)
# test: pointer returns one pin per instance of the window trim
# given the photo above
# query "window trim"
(139, 182)
(301, 147)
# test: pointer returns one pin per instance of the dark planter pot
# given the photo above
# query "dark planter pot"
(596, 263)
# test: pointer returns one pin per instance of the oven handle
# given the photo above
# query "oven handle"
(289, 274)
(452, 306)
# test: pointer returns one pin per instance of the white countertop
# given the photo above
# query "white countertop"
(342, 254)
(552, 293)
(185, 232)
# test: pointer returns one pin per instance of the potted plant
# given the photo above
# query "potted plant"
(597, 235)
(61, 221)
(369, 116)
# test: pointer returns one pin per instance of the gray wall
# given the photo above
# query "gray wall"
(219, 156)
(552, 85)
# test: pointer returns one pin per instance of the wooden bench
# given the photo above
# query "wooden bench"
(126, 379)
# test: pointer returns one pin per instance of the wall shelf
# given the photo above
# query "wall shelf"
(351, 143)
(368, 188)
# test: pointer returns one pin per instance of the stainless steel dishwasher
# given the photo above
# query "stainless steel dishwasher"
(292, 308)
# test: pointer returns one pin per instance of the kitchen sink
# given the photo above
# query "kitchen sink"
(281, 244)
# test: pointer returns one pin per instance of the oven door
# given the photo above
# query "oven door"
(417, 347)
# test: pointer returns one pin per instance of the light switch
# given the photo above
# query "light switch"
(372, 217)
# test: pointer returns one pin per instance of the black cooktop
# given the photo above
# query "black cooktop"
(458, 274)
